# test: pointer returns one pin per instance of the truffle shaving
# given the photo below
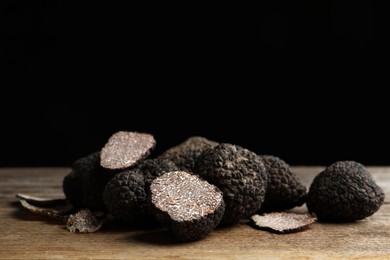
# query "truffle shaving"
(124, 149)
(283, 222)
(85, 221)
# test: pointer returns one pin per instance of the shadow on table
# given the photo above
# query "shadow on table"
(23, 214)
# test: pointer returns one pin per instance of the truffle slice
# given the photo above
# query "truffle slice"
(125, 197)
(53, 208)
(282, 222)
(284, 190)
(84, 186)
(85, 221)
(189, 206)
(124, 149)
(344, 191)
(240, 174)
(187, 153)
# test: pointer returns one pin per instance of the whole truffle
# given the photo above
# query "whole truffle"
(187, 153)
(127, 195)
(240, 174)
(344, 191)
(84, 186)
(284, 190)
(189, 206)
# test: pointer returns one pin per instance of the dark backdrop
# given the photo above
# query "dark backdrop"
(301, 81)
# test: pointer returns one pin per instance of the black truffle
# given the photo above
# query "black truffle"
(240, 174)
(284, 190)
(84, 186)
(153, 168)
(127, 195)
(124, 149)
(344, 191)
(186, 154)
(189, 206)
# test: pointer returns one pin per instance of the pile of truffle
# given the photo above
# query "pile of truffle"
(199, 184)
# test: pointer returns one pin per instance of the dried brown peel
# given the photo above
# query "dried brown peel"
(85, 221)
(53, 208)
(283, 222)
(124, 149)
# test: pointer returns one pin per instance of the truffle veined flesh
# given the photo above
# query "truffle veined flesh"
(189, 206)
(124, 149)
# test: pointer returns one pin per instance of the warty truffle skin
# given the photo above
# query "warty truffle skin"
(345, 191)
(84, 186)
(240, 174)
(284, 190)
(127, 195)
(153, 168)
(187, 153)
(126, 198)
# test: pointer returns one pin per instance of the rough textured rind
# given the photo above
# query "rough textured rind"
(153, 168)
(240, 174)
(124, 149)
(127, 195)
(189, 206)
(90, 162)
(126, 198)
(344, 191)
(187, 153)
(84, 186)
(284, 190)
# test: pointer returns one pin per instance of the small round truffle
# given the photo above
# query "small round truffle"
(240, 174)
(84, 186)
(187, 153)
(124, 149)
(189, 206)
(125, 197)
(284, 190)
(344, 191)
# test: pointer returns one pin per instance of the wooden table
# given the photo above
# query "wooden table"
(24, 235)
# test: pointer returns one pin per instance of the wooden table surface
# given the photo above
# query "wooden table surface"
(24, 235)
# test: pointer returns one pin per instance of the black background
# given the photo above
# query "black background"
(300, 80)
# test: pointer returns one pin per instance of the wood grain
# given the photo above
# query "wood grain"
(27, 236)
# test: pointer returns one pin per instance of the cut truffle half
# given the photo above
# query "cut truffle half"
(240, 174)
(124, 149)
(284, 190)
(343, 192)
(189, 206)
(187, 153)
